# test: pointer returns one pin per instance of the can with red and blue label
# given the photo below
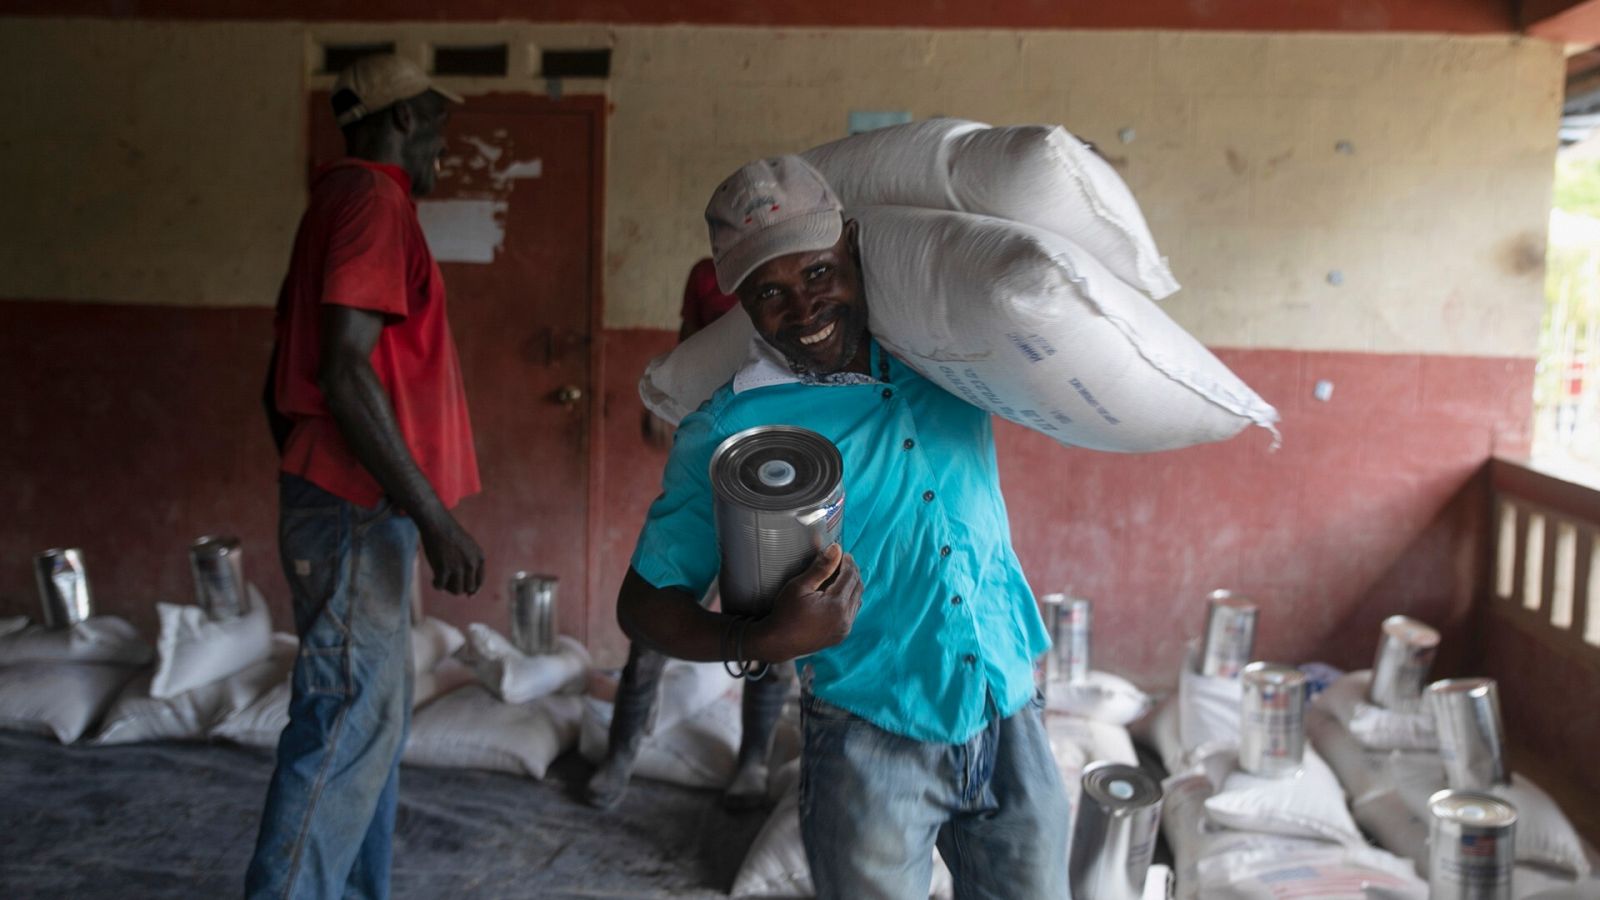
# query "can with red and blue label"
(1471, 842)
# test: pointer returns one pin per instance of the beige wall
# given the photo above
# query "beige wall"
(161, 162)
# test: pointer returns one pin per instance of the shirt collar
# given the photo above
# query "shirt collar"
(395, 173)
(765, 366)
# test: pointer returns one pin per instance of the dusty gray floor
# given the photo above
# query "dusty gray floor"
(173, 820)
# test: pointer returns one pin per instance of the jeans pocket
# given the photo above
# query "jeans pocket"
(323, 671)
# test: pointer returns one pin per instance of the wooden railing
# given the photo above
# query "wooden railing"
(1538, 631)
(1545, 565)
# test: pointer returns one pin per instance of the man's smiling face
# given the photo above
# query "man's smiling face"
(810, 306)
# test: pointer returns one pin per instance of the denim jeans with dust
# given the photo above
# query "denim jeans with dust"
(330, 808)
(873, 805)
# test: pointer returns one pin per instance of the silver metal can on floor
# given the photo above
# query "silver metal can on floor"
(1230, 635)
(64, 598)
(217, 564)
(779, 501)
(533, 613)
(1472, 738)
(1272, 720)
(1471, 846)
(1114, 837)
(1070, 621)
(1406, 649)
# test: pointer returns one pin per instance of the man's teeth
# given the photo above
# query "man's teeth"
(820, 336)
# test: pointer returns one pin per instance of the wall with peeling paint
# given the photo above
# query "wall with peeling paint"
(162, 161)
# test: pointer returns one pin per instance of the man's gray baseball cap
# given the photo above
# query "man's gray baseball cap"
(767, 209)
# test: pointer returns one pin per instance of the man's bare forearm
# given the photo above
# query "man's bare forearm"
(672, 621)
(362, 410)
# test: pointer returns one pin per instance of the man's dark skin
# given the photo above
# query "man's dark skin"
(408, 134)
(790, 299)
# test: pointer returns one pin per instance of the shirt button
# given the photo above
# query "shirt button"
(956, 600)
(970, 659)
(887, 393)
(945, 550)
(908, 444)
(927, 496)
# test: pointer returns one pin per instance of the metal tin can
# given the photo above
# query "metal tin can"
(1471, 846)
(1472, 741)
(1230, 635)
(533, 613)
(779, 501)
(1114, 837)
(1405, 653)
(1069, 620)
(217, 563)
(1272, 721)
(64, 598)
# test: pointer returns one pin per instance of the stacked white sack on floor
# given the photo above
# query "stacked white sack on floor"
(59, 682)
(1011, 267)
(1389, 764)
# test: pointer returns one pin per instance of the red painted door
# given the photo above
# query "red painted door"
(513, 223)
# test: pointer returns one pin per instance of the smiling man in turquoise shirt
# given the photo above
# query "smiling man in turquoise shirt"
(916, 637)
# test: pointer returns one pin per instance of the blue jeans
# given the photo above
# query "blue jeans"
(873, 805)
(331, 805)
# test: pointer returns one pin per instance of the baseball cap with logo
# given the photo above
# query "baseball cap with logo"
(767, 209)
(375, 83)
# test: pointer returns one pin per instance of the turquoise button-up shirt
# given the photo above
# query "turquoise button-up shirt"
(948, 629)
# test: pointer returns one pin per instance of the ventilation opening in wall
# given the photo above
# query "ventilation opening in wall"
(482, 60)
(575, 63)
(337, 57)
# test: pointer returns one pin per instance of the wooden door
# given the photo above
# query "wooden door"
(514, 223)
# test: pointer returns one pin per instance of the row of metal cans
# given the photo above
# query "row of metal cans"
(1472, 831)
(215, 562)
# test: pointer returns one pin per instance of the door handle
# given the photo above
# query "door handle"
(569, 395)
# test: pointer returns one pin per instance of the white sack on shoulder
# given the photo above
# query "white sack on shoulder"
(1375, 727)
(100, 639)
(194, 650)
(1037, 175)
(516, 677)
(1017, 321)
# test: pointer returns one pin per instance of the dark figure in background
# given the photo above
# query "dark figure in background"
(703, 303)
(365, 400)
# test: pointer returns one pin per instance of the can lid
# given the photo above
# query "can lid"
(1120, 786)
(1054, 599)
(776, 468)
(1227, 598)
(1273, 673)
(1411, 631)
(1472, 808)
(523, 577)
(214, 545)
(1470, 686)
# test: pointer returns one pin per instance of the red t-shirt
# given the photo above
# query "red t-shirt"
(360, 245)
(703, 302)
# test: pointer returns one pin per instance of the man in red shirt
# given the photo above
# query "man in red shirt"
(366, 403)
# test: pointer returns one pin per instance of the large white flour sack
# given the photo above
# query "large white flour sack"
(1026, 324)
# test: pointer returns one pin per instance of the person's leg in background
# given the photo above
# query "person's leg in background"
(1009, 839)
(333, 795)
(631, 717)
(761, 707)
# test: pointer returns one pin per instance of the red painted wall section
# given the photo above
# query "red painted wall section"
(131, 430)
(1458, 16)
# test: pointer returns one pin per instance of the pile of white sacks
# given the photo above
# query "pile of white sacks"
(478, 701)
(1234, 835)
(1012, 267)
